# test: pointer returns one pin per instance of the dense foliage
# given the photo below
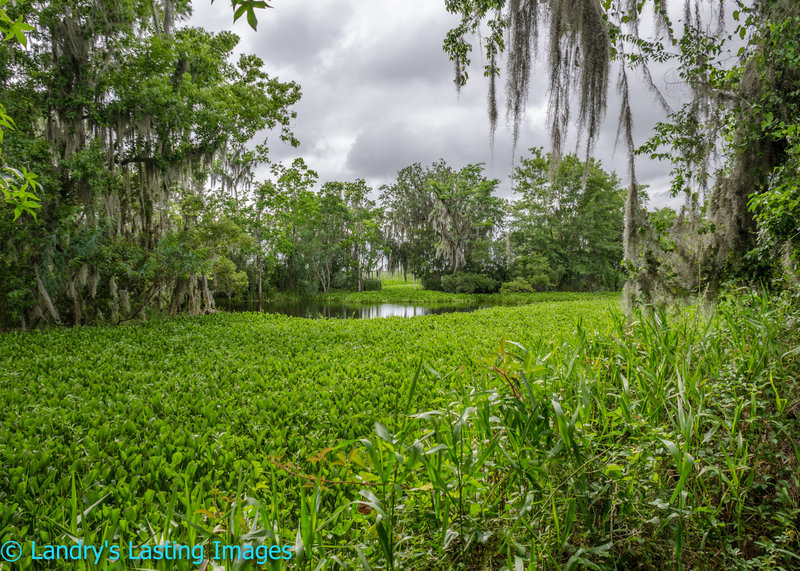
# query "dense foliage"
(667, 441)
(126, 117)
(566, 228)
(440, 220)
(309, 240)
(613, 442)
(17, 185)
(200, 414)
(733, 155)
(562, 230)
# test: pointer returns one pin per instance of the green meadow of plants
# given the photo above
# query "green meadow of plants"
(554, 435)
(407, 293)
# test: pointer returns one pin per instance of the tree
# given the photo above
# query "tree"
(327, 227)
(365, 235)
(574, 223)
(464, 211)
(764, 146)
(294, 204)
(260, 221)
(739, 101)
(135, 115)
(408, 204)
(316, 240)
(18, 185)
(436, 215)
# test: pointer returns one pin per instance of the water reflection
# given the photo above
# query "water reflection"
(297, 308)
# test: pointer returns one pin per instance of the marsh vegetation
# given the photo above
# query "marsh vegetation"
(611, 386)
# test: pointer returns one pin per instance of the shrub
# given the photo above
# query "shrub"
(341, 281)
(431, 282)
(517, 285)
(462, 282)
(540, 282)
(306, 287)
(371, 284)
(535, 269)
(227, 279)
(348, 282)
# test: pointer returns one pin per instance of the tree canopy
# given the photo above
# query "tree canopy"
(574, 224)
(127, 119)
(438, 216)
(738, 129)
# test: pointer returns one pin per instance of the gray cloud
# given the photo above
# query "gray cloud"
(378, 92)
(403, 56)
(296, 40)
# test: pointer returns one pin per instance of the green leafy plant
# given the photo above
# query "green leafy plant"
(18, 186)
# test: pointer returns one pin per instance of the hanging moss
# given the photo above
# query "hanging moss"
(581, 39)
(128, 138)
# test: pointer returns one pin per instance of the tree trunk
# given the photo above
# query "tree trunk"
(208, 297)
(631, 291)
(260, 272)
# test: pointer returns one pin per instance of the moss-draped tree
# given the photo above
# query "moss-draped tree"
(127, 115)
(735, 129)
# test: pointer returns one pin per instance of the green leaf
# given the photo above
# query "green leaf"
(252, 19)
(383, 432)
(239, 12)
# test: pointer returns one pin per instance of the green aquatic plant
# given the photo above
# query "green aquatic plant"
(554, 435)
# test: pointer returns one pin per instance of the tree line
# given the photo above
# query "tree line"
(120, 236)
(141, 138)
(444, 226)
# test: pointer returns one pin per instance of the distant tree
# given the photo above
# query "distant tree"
(366, 238)
(465, 210)
(435, 216)
(314, 240)
(571, 214)
(325, 229)
(408, 204)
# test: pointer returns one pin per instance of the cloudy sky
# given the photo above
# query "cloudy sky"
(378, 92)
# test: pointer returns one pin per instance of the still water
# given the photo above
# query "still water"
(298, 308)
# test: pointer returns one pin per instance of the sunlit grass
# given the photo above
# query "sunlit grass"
(396, 279)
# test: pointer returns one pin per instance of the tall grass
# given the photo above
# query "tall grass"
(672, 441)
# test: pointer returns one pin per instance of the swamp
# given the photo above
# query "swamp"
(335, 285)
